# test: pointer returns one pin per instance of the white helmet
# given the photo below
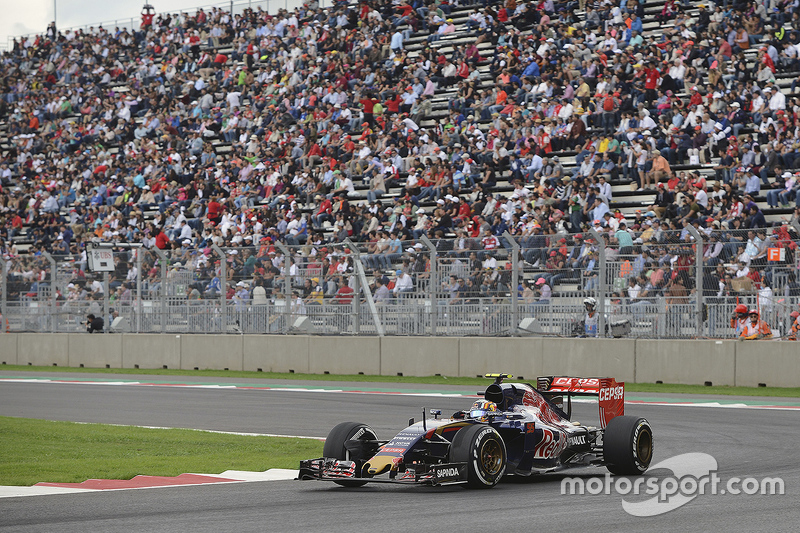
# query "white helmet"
(590, 302)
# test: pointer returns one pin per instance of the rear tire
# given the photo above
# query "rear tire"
(484, 451)
(335, 447)
(628, 445)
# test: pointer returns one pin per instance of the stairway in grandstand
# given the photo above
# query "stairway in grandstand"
(624, 199)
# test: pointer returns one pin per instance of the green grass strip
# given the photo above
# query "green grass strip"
(410, 380)
(68, 452)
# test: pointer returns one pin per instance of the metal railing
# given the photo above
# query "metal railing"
(684, 284)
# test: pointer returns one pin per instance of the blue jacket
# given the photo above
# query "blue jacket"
(531, 70)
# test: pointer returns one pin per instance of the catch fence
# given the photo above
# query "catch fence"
(678, 283)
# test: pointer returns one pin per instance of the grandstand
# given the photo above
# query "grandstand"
(504, 111)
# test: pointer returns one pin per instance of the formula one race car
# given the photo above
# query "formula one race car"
(517, 429)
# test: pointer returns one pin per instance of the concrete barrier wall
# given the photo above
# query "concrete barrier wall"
(344, 355)
(145, 350)
(516, 356)
(212, 352)
(95, 351)
(275, 353)
(42, 349)
(419, 356)
(687, 361)
(8, 349)
(776, 364)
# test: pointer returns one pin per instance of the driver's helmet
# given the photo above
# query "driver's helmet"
(590, 303)
(480, 410)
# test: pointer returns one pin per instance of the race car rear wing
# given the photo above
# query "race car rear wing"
(610, 393)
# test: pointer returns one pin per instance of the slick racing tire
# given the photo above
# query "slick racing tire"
(628, 445)
(335, 447)
(484, 451)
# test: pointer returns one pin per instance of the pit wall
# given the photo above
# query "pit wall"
(694, 362)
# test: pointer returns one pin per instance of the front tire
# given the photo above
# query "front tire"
(482, 448)
(335, 447)
(628, 445)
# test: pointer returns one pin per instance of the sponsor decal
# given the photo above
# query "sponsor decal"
(576, 440)
(565, 384)
(551, 445)
(611, 400)
(612, 393)
(392, 450)
(450, 471)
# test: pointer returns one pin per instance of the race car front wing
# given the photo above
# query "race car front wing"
(436, 475)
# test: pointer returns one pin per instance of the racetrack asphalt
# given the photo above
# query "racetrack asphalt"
(745, 443)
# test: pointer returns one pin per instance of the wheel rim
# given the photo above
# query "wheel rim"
(644, 446)
(491, 457)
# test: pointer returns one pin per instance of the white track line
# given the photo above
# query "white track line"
(240, 433)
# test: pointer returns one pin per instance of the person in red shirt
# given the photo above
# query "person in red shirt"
(313, 156)
(404, 11)
(365, 132)
(464, 210)
(348, 145)
(324, 212)
(463, 70)
(393, 104)
(344, 296)
(368, 108)
(696, 98)
(214, 210)
(16, 225)
(652, 77)
(162, 241)
(220, 60)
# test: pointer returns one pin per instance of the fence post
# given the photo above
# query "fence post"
(601, 284)
(223, 287)
(698, 283)
(355, 305)
(434, 282)
(362, 276)
(4, 289)
(53, 272)
(106, 313)
(163, 288)
(138, 290)
(514, 282)
(287, 284)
